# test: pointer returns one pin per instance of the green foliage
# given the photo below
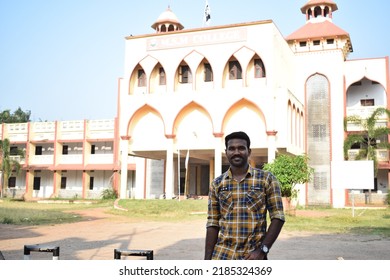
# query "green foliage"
(368, 136)
(18, 116)
(8, 164)
(290, 170)
(109, 193)
(388, 198)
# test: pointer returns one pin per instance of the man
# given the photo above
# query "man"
(238, 204)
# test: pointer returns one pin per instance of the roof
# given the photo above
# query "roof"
(317, 30)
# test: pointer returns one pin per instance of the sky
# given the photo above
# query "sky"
(61, 59)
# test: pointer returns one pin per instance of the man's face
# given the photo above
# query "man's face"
(237, 152)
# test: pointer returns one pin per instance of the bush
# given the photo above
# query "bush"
(109, 193)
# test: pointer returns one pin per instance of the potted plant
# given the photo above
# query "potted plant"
(290, 170)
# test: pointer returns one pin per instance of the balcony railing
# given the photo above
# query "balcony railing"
(381, 154)
(364, 113)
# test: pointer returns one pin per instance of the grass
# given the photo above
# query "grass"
(32, 213)
(318, 220)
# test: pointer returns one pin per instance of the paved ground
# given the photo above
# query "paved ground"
(99, 234)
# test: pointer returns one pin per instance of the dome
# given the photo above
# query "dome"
(167, 21)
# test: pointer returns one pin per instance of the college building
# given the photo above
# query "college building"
(183, 90)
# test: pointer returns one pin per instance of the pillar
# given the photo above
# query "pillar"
(124, 155)
(271, 145)
(169, 170)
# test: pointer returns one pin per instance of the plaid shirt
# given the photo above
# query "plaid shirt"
(239, 209)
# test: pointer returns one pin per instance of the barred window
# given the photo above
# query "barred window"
(141, 78)
(320, 181)
(319, 132)
(208, 73)
(235, 70)
(185, 75)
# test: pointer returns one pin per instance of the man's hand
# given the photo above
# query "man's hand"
(256, 255)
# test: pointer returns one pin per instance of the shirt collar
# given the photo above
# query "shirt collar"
(230, 175)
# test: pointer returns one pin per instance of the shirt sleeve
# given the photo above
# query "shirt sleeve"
(213, 213)
(274, 201)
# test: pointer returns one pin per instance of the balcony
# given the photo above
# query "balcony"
(19, 159)
(101, 159)
(42, 160)
(381, 154)
(364, 112)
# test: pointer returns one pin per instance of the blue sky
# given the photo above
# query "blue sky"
(61, 59)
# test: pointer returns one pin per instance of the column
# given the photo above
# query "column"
(169, 171)
(218, 154)
(271, 145)
(124, 150)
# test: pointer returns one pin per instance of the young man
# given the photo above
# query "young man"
(239, 200)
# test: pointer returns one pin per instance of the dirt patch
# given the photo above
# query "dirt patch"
(100, 233)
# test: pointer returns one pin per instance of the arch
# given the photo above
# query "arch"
(232, 71)
(256, 124)
(183, 76)
(255, 70)
(138, 80)
(317, 11)
(193, 127)
(204, 75)
(158, 79)
(365, 92)
(152, 138)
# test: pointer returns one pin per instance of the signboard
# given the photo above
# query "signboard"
(355, 175)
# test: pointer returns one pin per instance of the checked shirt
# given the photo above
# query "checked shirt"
(239, 209)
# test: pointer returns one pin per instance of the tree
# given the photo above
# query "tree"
(8, 163)
(290, 170)
(366, 138)
(18, 116)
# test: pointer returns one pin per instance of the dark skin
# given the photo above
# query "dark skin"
(237, 154)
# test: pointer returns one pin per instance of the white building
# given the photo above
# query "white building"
(183, 90)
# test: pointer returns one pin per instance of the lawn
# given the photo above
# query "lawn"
(364, 221)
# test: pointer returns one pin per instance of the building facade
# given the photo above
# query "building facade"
(183, 90)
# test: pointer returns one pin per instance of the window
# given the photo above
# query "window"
(65, 149)
(208, 73)
(185, 75)
(63, 182)
(37, 183)
(259, 68)
(235, 71)
(141, 78)
(13, 151)
(302, 44)
(330, 41)
(93, 148)
(162, 78)
(316, 42)
(367, 102)
(319, 132)
(38, 150)
(11, 182)
(91, 180)
(320, 181)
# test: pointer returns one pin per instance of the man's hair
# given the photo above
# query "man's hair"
(238, 135)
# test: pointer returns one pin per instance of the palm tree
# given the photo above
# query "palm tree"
(7, 163)
(367, 138)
